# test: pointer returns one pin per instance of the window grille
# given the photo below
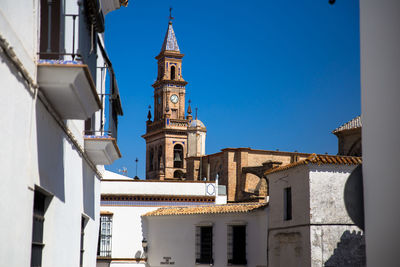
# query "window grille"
(204, 246)
(37, 229)
(237, 245)
(104, 247)
(83, 224)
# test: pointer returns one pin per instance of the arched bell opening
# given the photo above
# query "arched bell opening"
(172, 72)
(178, 156)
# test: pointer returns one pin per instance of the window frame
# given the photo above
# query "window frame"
(231, 244)
(104, 248)
(200, 259)
(287, 204)
(38, 216)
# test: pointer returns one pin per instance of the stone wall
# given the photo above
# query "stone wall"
(229, 164)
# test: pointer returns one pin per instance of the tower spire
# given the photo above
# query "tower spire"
(170, 43)
(189, 110)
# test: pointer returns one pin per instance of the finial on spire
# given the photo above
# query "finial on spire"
(170, 15)
(196, 113)
(189, 110)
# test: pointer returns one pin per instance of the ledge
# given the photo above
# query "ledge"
(102, 150)
(69, 86)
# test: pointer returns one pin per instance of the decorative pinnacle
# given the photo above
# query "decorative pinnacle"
(149, 114)
(189, 110)
(196, 113)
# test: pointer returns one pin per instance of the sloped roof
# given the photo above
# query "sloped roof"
(353, 124)
(319, 159)
(170, 43)
(210, 209)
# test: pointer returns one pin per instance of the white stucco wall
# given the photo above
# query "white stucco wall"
(174, 236)
(380, 94)
(118, 184)
(36, 153)
(327, 193)
(319, 221)
(128, 228)
(298, 179)
(127, 234)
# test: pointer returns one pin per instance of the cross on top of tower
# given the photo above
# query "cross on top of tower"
(170, 14)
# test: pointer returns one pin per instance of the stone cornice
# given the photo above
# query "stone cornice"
(173, 82)
(173, 54)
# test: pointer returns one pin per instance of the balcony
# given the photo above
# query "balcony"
(69, 86)
(102, 149)
(67, 52)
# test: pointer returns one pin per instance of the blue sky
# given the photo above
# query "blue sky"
(264, 74)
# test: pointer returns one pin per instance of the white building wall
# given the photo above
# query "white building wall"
(35, 153)
(380, 94)
(118, 184)
(174, 236)
(319, 218)
(328, 213)
(326, 193)
(128, 228)
(127, 234)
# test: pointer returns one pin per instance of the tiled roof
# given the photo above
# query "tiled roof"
(319, 159)
(124, 2)
(212, 209)
(170, 43)
(353, 124)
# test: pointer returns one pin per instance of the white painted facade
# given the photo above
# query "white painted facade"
(41, 152)
(319, 219)
(196, 138)
(380, 94)
(175, 236)
(128, 227)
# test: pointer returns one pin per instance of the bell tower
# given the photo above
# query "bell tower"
(166, 135)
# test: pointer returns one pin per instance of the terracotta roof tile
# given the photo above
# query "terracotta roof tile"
(350, 125)
(105, 212)
(319, 159)
(211, 209)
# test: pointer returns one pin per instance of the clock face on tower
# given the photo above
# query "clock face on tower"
(174, 99)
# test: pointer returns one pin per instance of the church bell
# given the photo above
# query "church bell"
(177, 157)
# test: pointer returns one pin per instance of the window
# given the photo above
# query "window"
(37, 229)
(83, 224)
(178, 156)
(50, 29)
(287, 204)
(237, 244)
(104, 246)
(204, 246)
(172, 72)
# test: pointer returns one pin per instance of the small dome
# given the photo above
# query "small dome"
(196, 123)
